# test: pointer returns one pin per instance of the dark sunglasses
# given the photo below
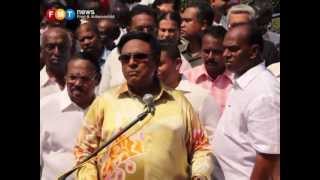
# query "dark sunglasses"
(135, 56)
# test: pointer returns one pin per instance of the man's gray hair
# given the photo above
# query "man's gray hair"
(241, 8)
(63, 30)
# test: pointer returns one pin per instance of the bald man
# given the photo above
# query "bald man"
(108, 32)
(90, 42)
(247, 138)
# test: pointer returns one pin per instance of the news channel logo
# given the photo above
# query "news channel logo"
(61, 14)
(71, 14)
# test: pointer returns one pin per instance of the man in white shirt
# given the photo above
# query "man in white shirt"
(143, 18)
(247, 138)
(61, 116)
(201, 100)
(55, 51)
(121, 14)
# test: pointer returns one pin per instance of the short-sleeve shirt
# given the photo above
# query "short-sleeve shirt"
(249, 124)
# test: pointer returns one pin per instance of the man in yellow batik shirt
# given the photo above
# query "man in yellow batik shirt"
(169, 144)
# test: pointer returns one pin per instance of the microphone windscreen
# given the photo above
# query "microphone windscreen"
(148, 99)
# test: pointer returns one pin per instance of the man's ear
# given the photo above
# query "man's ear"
(254, 51)
(178, 64)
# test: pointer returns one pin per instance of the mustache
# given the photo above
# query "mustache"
(76, 88)
(88, 48)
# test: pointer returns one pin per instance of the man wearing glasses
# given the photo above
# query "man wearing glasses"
(142, 18)
(61, 116)
(168, 144)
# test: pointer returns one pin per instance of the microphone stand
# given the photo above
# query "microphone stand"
(114, 137)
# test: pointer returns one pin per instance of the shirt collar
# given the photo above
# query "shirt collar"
(183, 45)
(45, 80)
(124, 91)
(244, 80)
(203, 73)
(44, 77)
(229, 75)
(66, 103)
(183, 85)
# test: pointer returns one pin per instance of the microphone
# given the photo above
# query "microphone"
(149, 102)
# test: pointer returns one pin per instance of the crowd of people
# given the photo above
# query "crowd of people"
(212, 66)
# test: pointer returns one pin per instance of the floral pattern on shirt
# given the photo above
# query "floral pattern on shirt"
(172, 142)
(118, 157)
